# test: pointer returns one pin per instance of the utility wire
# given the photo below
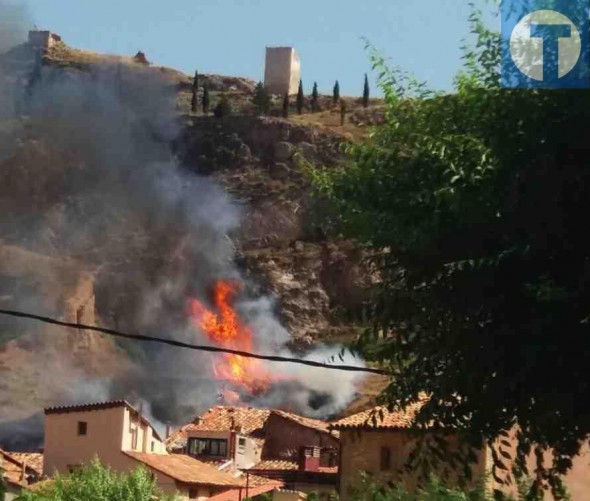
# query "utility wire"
(180, 344)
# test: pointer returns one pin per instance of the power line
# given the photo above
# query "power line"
(180, 344)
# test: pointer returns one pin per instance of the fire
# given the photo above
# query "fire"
(225, 329)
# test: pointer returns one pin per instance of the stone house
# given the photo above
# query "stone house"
(297, 451)
(122, 438)
(379, 442)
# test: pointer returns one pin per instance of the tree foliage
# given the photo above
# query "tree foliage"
(97, 483)
(336, 93)
(315, 98)
(476, 204)
(195, 91)
(366, 92)
(206, 100)
(261, 99)
(223, 108)
(433, 490)
(300, 98)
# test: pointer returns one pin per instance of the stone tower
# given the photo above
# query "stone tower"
(283, 70)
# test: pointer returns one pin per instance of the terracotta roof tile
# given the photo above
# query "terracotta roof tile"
(222, 418)
(186, 469)
(316, 424)
(33, 460)
(381, 418)
(287, 465)
(276, 464)
(236, 495)
(250, 420)
(13, 469)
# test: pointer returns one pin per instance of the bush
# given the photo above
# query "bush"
(261, 99)
(94, 482)
(223, 108)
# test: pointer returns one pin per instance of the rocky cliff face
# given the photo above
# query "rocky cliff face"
(320, 283)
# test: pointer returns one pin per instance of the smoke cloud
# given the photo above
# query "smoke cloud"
(92, 192)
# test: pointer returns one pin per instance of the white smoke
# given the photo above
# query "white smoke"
(101, 186)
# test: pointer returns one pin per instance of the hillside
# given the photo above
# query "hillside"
(122, 257)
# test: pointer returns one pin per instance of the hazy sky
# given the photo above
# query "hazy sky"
(229, 36)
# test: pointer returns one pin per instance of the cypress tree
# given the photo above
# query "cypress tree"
(194, 100)
(261, 99)
(300, 98)
(336, 93)
(366, 92)
(314, 98)
(286, 105)
(206, 99)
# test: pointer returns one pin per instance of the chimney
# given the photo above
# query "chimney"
(23, 471)
(309, 458)
(168, 430)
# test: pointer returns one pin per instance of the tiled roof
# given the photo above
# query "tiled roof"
(316, 424)
(222, 418)
(276, 464)
(381, 418)
(33, 460)
(250, 420)
(239, 494)
(13, 469)
(287, 465)
(99, 406)
(186, 469)
(257, 481)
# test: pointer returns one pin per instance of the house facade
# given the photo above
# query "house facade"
(122, 438)
(299, 452)
(380, 443)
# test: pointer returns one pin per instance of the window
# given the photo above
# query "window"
(82, 428)
(242, 442)
(153, 445)
(193, 493)
(207, 447)
(385, 458)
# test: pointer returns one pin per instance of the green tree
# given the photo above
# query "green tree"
(194, 99)
(336, 93)
(366, 92)
(300, 98)
(206, 100)
(223, 108)
(285, 109)
(433, 490)
(97, 483)
(474, 205)
(261, 99)
(315, 98)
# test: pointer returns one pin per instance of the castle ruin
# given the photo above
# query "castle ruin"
(283, 70)
(43, 39)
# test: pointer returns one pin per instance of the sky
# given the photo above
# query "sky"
(229, 36)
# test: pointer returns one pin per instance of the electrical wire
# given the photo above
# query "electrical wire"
(180, 344)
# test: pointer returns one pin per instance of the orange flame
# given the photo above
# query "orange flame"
(225, 329)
